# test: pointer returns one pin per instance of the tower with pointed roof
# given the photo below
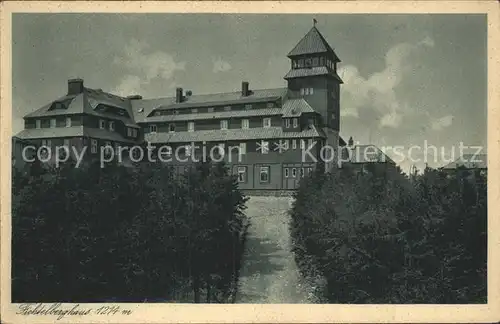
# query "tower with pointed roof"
(313, 77)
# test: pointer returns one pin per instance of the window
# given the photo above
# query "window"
(294, 64)
(309, 170)
(264, 174)
(266, 122)
(295, 122)
(222, 148)
(310, 142)
(302, 144)
(248, 107)
(294, 144)
(227, 108)
(102, 124)
(129, 132)
(38, 123)
(287, 123)
(285, 144)
(194, 110)
(321, 61)
(308, 62)
(93, 146)
(245, 123)
(301, 63)
(66, 142)
(306, 91)
(176, 112)
(223, 124)
(152, 128)
(315, 61)
(270, 105)
(243, 148)
(294, 172)
(311, 91)
(287, 172)
(111, 125)
(188, 149)
(301, 91)
(68, 121)
(190, 126)
(52, 123)
(171, 128)
(301, 172)
(157, 113)
(210, 109)
(242, 174)
(47, 143)
(134, 132)
(264, 147)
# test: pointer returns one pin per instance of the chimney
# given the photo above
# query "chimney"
(178, 95)
(134, 97)
(350, 143)
(75, 86)
(244, 89)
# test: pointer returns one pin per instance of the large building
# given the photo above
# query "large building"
(271, 129)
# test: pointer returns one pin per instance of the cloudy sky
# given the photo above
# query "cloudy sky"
(408, 78)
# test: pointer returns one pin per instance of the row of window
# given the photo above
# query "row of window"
(53, 123)
(306, 91)
(208, 110)
(312, 62)
(263, 147)
(131, 132)
(224, 125)
(264, 176)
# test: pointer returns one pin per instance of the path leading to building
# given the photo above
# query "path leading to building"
(269, 273)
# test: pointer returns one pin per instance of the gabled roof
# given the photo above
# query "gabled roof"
(313, 42)
(86, 103)
(469, 161)
(296, 107)
(142, 108)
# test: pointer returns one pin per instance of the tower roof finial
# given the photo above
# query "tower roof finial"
(314, 22)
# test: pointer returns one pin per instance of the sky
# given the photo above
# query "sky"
(409, 80)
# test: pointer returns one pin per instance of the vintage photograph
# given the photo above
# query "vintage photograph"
(239, 158)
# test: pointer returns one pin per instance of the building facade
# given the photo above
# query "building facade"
(269, 138)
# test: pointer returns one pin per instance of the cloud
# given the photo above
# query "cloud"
(375, 97)
(441, 123)
(144, 67)
(221, 66)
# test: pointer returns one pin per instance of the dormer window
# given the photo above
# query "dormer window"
(248, 107)
(38, 123)
(321, 61)
(295, 123)
(300, 63)
(68, 121)
(102, 124)
(227, 108)
(152, 128)
(210, 109)
(287, 123)
(171, 128)
(53, 123)
(157, 113)
(270, 105)
(194, 110)
(315, 61)
(111, 125)
(308, 62)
